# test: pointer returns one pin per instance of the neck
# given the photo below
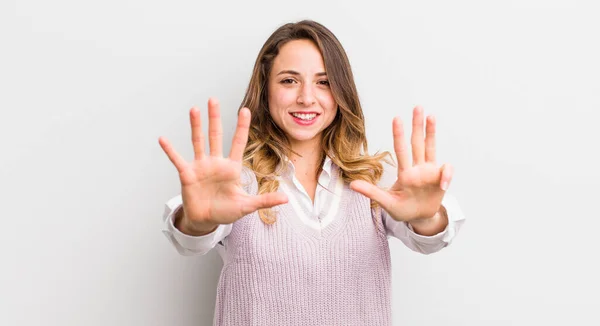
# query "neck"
(307, 159)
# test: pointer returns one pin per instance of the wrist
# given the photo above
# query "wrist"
(186, 226)
(432, 225)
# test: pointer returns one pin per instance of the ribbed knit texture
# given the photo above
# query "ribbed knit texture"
(290, 274)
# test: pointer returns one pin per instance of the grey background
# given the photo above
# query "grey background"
(86, 89)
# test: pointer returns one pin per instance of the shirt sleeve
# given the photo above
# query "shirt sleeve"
(188, 245)
(427, 244)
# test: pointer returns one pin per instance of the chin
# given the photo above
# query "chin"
(302, 136)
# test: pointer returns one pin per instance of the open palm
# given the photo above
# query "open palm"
(420, 187)
(211, 186)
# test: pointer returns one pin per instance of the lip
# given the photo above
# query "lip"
(303, 122)
(305, 112)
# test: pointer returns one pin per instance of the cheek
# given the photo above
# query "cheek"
(280, 97)
(328, 103)
(278, 102)
(286, 98)
(332, 115)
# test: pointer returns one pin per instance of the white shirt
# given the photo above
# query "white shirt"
(324, 200)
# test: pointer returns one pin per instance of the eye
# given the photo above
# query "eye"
(324, 82)
(288, 81)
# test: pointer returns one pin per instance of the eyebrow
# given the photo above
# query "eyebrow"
(293, 72)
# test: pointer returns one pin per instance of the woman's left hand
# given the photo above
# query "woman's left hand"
(417, 195)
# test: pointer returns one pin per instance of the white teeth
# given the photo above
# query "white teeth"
(305, 116)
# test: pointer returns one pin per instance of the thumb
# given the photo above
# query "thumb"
(268, 200)
(447, 172)
(369, 190)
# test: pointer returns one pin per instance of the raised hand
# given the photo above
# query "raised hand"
(418, 192)
(211, 184)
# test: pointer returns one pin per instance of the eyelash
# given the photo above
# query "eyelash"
(285, 81)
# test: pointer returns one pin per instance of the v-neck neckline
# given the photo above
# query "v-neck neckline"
(328, 220)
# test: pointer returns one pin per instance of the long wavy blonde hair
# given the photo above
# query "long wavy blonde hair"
(344, 138)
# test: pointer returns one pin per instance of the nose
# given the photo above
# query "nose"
(305, 95)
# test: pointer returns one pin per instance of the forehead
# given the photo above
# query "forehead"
(299, 55)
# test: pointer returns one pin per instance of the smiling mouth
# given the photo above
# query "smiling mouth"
(305, 116)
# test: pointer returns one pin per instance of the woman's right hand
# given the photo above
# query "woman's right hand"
(211, 186)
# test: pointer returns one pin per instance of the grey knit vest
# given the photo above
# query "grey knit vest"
(289, 274)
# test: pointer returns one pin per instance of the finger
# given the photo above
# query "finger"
(447, 173)
(417, 136)
(240, 138)
(175, 158)
(369, 190)
(399, 145)
(267, 200)
(430, 140)
(215, 131)
(197, 136)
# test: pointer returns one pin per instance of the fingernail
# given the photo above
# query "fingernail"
(444, 185)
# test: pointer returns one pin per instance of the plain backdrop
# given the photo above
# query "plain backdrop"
(87, 87)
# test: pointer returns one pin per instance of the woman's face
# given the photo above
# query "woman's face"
(300, 100)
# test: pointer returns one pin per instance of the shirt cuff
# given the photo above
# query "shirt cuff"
(455, 220)
(188, 244)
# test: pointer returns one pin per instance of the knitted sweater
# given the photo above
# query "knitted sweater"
(289, 274)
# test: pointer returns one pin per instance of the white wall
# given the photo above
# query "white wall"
(86, 89)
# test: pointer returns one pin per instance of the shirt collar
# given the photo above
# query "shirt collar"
(290, 169)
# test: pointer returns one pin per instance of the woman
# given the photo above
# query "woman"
(299, 210)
